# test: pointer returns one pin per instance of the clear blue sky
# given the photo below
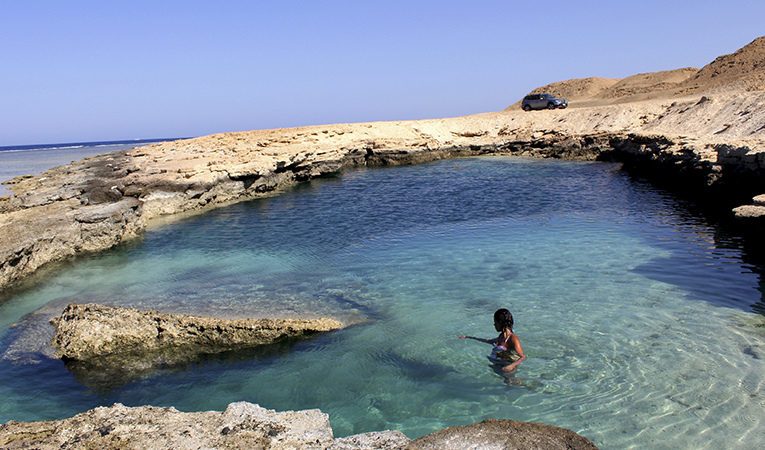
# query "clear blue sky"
(109, 70)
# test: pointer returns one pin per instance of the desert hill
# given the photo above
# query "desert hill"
(742, 70)
(573, 90)
(648, 85)
(745, 69)
(578, 88)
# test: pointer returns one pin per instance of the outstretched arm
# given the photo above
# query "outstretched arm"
(488, 341)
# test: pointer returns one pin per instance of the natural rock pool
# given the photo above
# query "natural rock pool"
(638, 318)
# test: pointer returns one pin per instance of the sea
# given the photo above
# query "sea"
(34, 159)
(643, 321)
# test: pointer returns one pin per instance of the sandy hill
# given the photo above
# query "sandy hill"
(573, 90)
(578, 88)
(744, 69)
(648, 84)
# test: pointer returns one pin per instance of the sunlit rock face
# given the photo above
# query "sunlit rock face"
(106, 346)
(247, 426)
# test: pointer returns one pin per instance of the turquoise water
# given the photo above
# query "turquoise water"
(636, 316)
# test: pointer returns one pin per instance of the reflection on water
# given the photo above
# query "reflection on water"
(636, 318)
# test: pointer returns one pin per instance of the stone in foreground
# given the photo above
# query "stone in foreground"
(248, 426)
(503, 434)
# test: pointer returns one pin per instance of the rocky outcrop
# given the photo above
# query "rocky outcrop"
(755, 210)
(248, 426)
(106, 346)
(84, 332)
(503, 434)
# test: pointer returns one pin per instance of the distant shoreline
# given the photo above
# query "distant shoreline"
(73, 145)
(18, 160)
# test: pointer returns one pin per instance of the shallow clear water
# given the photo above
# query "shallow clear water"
(636, 317)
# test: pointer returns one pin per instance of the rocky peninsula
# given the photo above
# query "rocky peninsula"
(701, 131)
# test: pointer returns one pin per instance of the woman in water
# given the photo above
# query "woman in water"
(507, 346)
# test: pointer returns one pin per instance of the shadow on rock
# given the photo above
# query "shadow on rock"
(106, 346)
(106, 374)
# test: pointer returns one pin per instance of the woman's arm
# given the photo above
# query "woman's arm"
(488, 341)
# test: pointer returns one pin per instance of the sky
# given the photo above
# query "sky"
(83, 71)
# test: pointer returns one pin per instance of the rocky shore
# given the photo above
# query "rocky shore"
(700, 131)
(100, 202)
(247, 426)
(712, 144)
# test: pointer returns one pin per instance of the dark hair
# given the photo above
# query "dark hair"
(504, 318)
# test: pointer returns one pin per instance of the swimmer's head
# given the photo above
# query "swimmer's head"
(503, 319)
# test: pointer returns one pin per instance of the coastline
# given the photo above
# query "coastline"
(18, 160)
(92, 205)
(709, 145)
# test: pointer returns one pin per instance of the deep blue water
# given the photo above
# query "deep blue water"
(636, 315)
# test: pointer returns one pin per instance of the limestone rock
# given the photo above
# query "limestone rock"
(756, 210)
(376, 440)
(243, 426)
(501, 435)
(87, 331)
(106, 346)
(248, 426)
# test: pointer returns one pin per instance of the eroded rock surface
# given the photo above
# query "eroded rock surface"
(247, 426)
(107, 345)
(84, 332)
(503, 434)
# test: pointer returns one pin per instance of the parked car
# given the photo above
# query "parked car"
(542, 101)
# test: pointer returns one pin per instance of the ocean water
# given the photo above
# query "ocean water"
(639, 319)
(35, 159)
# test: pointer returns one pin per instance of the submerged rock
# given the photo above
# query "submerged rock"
(248, 426)
(106, 346)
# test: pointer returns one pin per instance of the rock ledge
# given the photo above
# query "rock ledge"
(106, 346)
(248, 426)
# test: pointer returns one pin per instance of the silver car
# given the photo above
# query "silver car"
(542, 101)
